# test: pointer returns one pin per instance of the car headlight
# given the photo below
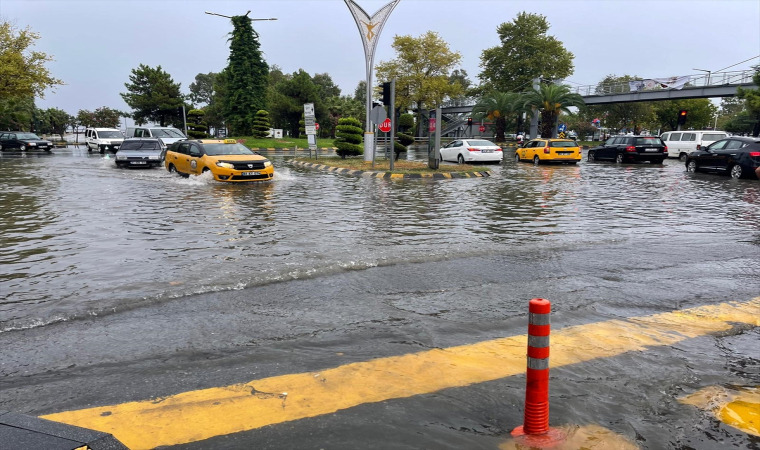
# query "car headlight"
(154, 157)
(121, 157)
(32, 144)
(267, 163)
(225, 165)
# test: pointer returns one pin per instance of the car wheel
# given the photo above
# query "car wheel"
(172, 170)
(591, 156)
(101, 151)
(683, 157)
(691, 166)
(460, 159)
(22, 147)
(517, 157)
(536, 160)
(736, 171)
(620, 158)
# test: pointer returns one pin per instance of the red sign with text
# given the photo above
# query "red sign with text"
(482, 128)
(385, 126)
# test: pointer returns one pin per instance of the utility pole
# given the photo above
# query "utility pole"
(534, 118)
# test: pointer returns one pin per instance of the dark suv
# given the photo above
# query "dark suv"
(630, 149)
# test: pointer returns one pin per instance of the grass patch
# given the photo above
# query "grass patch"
(358, 163)
(288, 142)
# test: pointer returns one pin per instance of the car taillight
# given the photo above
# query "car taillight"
(666, 149)
(630, 148)
(754, 154)
(546, 149)
(473, 149)
(498, 149)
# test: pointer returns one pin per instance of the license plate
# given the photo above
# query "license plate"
(248, 174)
(486, 150)
(138, 162)
(651, 149)
(564, 153)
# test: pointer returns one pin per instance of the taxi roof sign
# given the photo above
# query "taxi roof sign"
(230, 141)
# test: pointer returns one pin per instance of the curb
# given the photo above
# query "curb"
(290, 149)
(389, 175)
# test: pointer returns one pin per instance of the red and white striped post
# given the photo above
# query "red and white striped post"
(535, 429)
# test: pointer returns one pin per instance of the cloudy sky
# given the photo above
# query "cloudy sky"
(96, 43)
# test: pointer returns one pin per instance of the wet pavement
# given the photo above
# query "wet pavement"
(125, 285)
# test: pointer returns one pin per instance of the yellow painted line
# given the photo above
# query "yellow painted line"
(739, 408)
(397, 175)
(271, 149)
(446, 175)
(478, 174)
(202, 414)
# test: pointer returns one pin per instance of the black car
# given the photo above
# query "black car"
(23, 141)
(736, 156)
(623, 149)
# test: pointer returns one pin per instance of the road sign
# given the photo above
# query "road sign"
(562, 127)
(378, 115)
(316, 125)
(431, 124)
(308, 109)
(311, 130)
(482, 128)
(385, 126)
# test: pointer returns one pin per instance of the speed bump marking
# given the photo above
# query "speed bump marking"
(197, 415)
(738, 408)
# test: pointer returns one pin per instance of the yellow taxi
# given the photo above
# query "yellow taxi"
(226, 159)
(549, 150)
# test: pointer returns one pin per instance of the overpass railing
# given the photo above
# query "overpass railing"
(697, 81)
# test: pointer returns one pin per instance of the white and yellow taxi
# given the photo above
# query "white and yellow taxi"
(226, 159)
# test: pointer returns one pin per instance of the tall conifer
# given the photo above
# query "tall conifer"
(248, 76)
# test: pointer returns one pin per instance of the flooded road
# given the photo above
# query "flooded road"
(189, 270)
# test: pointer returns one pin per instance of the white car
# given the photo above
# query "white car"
(103, 139)
(471, 150)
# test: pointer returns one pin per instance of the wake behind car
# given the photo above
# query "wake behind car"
(226, 159)
(140, 153)
(549, 150)
(471, 150)
(23, 141)
(622, 149)
(736, 156)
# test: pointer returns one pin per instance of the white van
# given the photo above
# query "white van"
(103, 139)
(681, 143)
(168, 135)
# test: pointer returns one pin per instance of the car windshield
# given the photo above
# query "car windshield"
(110, 134)
(27, 136)
(227, 149)
(167, 133)
(141, 145)
(562, 144)
(647, 141)
(481, 143)
(712, 137)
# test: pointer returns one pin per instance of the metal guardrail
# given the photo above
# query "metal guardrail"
(697, 81)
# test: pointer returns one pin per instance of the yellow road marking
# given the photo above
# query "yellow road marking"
(739, 408)
(197, 415)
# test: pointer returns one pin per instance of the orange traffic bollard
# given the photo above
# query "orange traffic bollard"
(535, 429)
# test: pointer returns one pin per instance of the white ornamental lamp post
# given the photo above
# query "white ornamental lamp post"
(369, 29)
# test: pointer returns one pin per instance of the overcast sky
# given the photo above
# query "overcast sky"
(96, 43)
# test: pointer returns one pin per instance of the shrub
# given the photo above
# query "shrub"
(405, 139)
(349, 135)
(196, 126)
(405, 122)
(261, 124)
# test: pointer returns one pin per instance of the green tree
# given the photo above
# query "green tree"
(742, 123)
(633, 116)
(247, 78)
(16, 113)
(154, 96)
(360, 93)
(326, 87)
(498, 107)
(526, 52)
(405, 122)
(751, 99)
(289, 97)
(202, 89)
(459, 76)
(338, 107)
(54, 121)
(422, 68)
(701, 113)
(261, 124)
(103, 117)
(551, 100)
(215, 109)
(349, 137)
(196, 125)
(23, 71)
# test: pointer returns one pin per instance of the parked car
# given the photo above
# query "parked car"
(681, 143)
(226, 159)
(103, 139)
(471, 150)
(630, 149)
(168, 135)
(549, 150)
(138, 152)
(737, 156)
(23, 141)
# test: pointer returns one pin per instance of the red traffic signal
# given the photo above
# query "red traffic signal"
(682, 116)
(683, 113)
(469, 121)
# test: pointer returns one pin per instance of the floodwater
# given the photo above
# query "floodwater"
(81, 237)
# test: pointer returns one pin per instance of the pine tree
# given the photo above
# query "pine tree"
(261, 124)
(247, 78)
(349, 133)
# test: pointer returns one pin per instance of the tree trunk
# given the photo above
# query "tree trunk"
(501, 126)
(756, 131)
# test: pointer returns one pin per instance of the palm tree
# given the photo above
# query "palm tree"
(551, 100)
(497, 107)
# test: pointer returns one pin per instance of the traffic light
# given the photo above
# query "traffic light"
(387, 93)
(682, 114)
(469, 121)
